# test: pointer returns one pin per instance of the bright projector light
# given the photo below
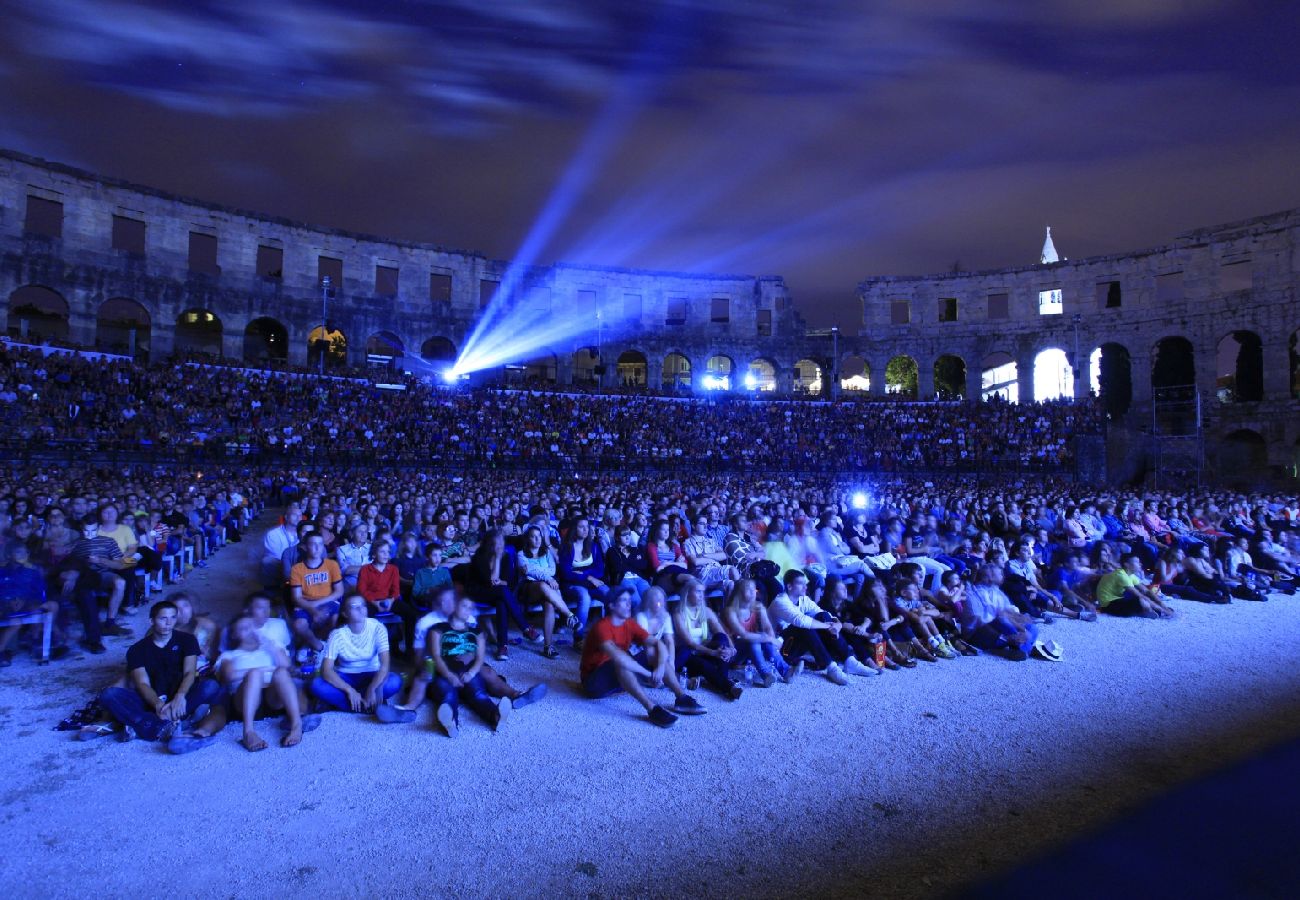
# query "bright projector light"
(713, 383)
(859, 500)
(750, 381)
(450, 376)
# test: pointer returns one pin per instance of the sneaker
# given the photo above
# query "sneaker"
(530, 696)
(447, 719)
(390, 714)
(168, 731)
(735, 692)
(835, 675)
(793, 672)
(766, 680)
(686, 705)
(661, 717)
(855, 666)
(1015, 654)
(113, 628)
(947, 651)
(126, 735)
(188, 743)
(94, 646)
(533, 635)
(91, 732)
(503, 710)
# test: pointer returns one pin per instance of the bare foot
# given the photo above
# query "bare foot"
(253, 742)
(292, 737)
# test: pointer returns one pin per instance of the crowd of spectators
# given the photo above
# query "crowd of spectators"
(73, 402)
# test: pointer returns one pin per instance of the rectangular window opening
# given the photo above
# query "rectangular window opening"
(486, 290)
(44, 218)
(332, 268)
(999, 306)
(270, 262)
(385, 281)
(1235, 276)
(1051, 302)
(440, 288)
(947, 309)
(720, 310)
(633, 308)
(765, 323)
(900, 312)
(675, 313)
(203, 253)
(128, 235)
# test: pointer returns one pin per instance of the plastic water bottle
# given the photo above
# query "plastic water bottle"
(750, 674)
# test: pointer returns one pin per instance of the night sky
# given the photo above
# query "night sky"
(812, 139)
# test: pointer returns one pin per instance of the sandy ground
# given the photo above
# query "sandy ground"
(906, 785)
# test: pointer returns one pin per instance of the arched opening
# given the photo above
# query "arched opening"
(1294, 349)
(677, 372)
(761, 375)
(632, 369)
(808, 377)
(586, 366)
(37, 314)
(1110, 376)
(999, 378)
(901, 377)
(122, 326)
(950, 377)
(542, 369)
(266, 340)
(1239, 368)
(1173, 363)
(855, 374)
(1053, 375)
(717, 374)
(198, 332)
(1243, 455)
(327, 347)
(438, 350)
(384, 350)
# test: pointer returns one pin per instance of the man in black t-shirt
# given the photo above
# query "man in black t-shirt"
(165, 689)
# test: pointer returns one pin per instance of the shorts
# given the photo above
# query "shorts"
(324, 610)
(602, 681)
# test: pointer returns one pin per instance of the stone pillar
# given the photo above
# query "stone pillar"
(297, 348)
(924, 380)
(162, 342)
(1277, 368)
(232, 343)
(785, 381)
(1206, 361)
(1025, 375)
(876, 369)
(1140, 374)
(974, 380)
(563, 369)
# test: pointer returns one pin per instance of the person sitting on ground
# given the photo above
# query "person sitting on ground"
(805, 627)
(656, 620)
(1172, 579)
(702, 648)
(906, 601)
(457, 651)
(444, 605)
(537, 585)
(1123, 593)
(253, 672)
(315, 589)
(1037, 599)
(356, 671)
(22, 593)
(872, 605)
(200, 625)
(1202, 575)
(992, 622)
(165, 690)
(746, 620)
(856, 630)
(608, 665)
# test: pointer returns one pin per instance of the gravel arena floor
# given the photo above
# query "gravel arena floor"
(912, 784)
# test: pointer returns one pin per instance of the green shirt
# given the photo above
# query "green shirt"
(1111, 587)
(427, 580)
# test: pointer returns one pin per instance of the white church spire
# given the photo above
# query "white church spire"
(1049, 249)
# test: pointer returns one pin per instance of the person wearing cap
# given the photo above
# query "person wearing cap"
(608, 665)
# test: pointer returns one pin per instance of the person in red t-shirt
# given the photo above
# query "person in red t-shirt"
(608, 663)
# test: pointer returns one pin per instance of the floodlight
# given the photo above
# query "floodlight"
(859, 500)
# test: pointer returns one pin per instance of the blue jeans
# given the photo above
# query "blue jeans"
(582, 595)
(764, 656)
(637, 583)
(473, 693)
(127, 706)
(327, 693)
(997, 635)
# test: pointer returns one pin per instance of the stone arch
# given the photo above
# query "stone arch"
(901, 374)
(38, 314)
(950, 377)
(384, 349)
(198, 331)
(327, 347)
(677, 371)
(1000, 377)
(1053, 375)
(1173, 363)
(719, 372)
(542, 369)
(809, 377)
(266, 340)
(1243, 453)
(760, 375)
(633, 369)
(855, 374)
(1110, 377)
(123, 326)
(1239, 368)
(587, 367)
(438, 350)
